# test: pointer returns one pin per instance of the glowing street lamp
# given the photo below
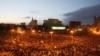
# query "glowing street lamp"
(96, 32)
(72, 32)
(33, 31)
(51, 33)
(12, 30)
(20, 31)
(80, 29)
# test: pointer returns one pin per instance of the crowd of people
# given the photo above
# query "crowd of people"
(69, 50)
(44, 45)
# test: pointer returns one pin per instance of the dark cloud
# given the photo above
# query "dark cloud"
(85, 15)
(28, 17)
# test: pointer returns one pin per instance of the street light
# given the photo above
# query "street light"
(33, 31)
(12, 35)
(21, 33)
(72, 32)
(51, 33)
(12, 31)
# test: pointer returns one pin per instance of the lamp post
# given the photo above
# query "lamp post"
(72, 32)
(12, 31)
(51, 33)
(72, 41)
(21, 34)
(42, 32)
(12, 35)
(33, 31)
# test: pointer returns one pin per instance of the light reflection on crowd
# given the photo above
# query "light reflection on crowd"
(38, 47)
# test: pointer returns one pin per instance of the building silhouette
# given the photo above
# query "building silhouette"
(97, 21)
(33, 24)
(74, 24)
(51, 22)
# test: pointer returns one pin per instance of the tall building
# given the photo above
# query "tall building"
(97, 21)
(33, 24)
(74, 24)
(52, 22)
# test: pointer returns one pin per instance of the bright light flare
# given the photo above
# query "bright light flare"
(71, 32)
(96, 32)
(33, 31)
(58, 28)
(12, 30)
(51, 32)
(79, 29)
(19, 30)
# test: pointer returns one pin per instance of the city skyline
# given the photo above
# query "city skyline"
(16, 11)
(49, 27)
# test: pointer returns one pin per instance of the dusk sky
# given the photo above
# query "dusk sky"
(16, 11)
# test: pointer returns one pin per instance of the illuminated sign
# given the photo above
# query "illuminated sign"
(58, 28)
